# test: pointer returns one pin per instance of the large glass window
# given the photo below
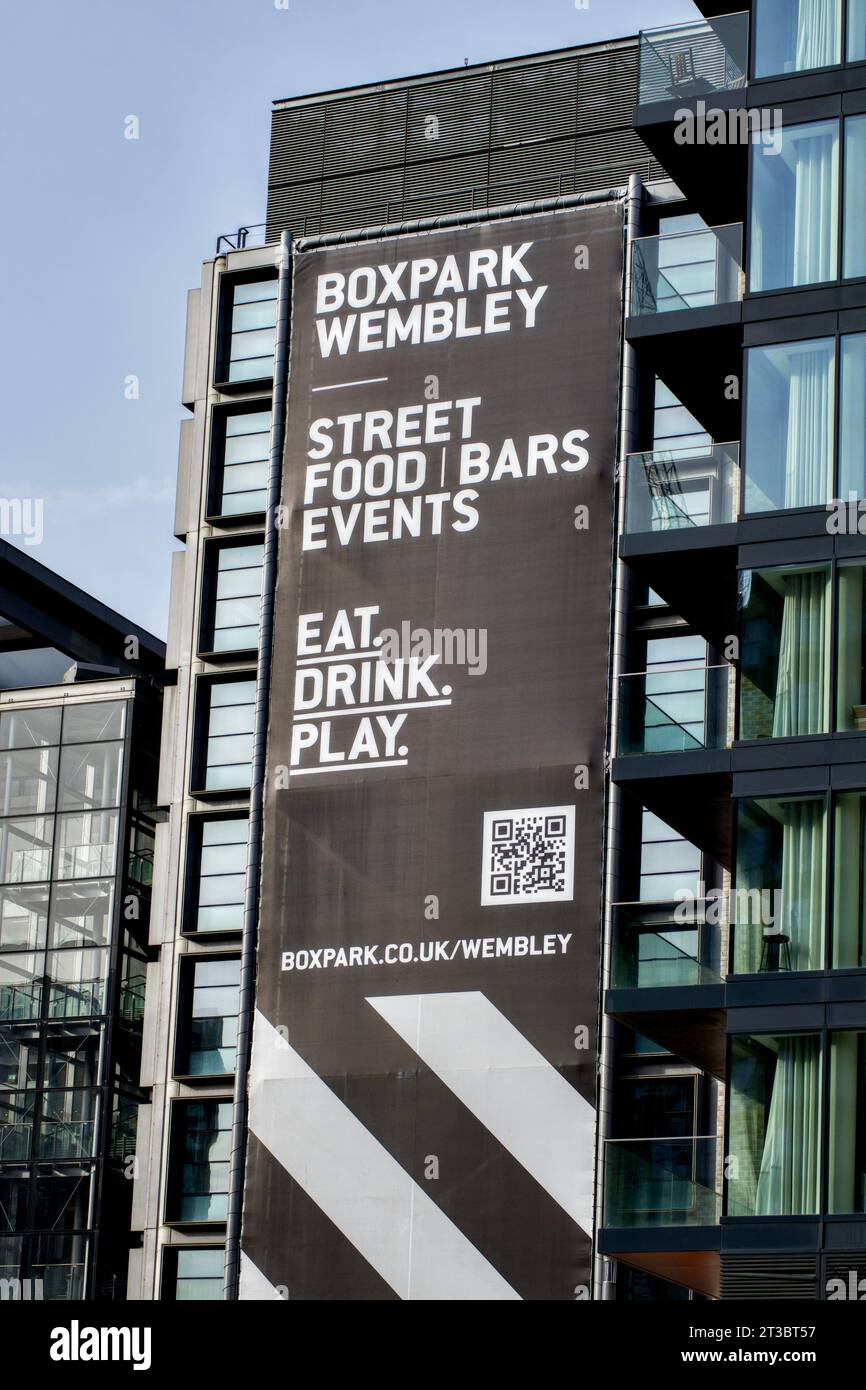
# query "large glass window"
(28, 781)
(200, 1171)
(234, 598)
(210, 1013)
(194, 1275)
(668, 863)
(852, 409)
(241, 462)
(849, 881)
(780, 883)
(251, 329)
(774, 1138)
(790, 425)
(795, 35)
(851, 648)
(847, 1155)
(795, 203)
(856, 47)
(785, 651)
(217, 867)
(228, 709)
(854, 202)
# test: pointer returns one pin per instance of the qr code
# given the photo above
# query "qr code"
(528, 856)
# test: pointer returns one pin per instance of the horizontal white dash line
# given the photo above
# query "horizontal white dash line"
(338, 385)
(347, 767)
(343, 656)
(301, 714)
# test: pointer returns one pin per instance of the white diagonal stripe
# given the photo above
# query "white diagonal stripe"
(254, 1285)
(507, 1084)
(359, 1185)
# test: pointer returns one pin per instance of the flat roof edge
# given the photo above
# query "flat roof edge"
(453, 74)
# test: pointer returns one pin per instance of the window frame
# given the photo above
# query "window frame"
(220, 415)
(221, 366)
(212, 549)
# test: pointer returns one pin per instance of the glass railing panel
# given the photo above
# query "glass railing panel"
(687, 270)
(661, 1182)
(674, 710)
(682, 489)
(687, 60)
(665, 945)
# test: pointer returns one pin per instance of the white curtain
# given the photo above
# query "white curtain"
(788, 1178)
(802, 889)
(817, 34)
(815, 165)
(800, 705)
(809, 444)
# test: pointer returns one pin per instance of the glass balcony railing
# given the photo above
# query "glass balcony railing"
(687, 270)
(686, 60)
(663, 945)
(674, 489)
(675, 709)
(662, 1182)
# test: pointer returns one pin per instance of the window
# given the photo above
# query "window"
(795, 197)
(29, 728)
(227, 716)
(780, 885)
(90, 775)
(194, 1275)
(774, 1139)
(28, 781)
(847, 1156)
(795, 35)
(198, 1182)
(251, 319)
(233, 591)
(217, 868)
(785, 652)
(790, 425)
(851, 648)
(668, 863)
(849, 881)
(210, 1017)
(675, 693)
(241, 453)
(856, 47)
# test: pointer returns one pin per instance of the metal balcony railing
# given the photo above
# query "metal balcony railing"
(697, 269)
(675, 709)
(665, 945)
(677, 489)
(662, 1182)
(686, 60)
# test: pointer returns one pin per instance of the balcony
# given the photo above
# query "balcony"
(662, 1204)
(666, 945)
(662, 1182)
(689, 60)
(681, 489)
(667, 964)
(687, 270)
(675, 709)
(698, 70)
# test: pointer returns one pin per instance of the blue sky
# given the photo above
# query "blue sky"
(104, 235)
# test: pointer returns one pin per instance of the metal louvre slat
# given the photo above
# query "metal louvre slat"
(364, 158)
(364, 132)
(535, 102)
(461, 111)
(769, 1277)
